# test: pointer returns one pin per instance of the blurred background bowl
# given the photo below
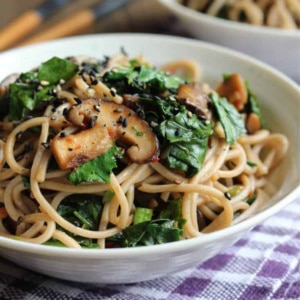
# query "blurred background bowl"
(277, 47)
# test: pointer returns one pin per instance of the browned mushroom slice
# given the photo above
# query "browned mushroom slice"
(104, 123)
(234, 89)
(192, 96)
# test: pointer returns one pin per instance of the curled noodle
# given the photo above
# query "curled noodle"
(212, 199)
(283, 14)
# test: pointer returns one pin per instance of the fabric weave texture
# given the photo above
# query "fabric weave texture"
(264, 264)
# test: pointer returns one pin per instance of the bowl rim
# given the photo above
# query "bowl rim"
(182, 10)
(288, 197)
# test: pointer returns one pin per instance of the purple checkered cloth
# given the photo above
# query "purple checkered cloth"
(264, 264)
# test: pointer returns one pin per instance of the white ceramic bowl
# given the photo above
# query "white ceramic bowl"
(280, 102)
(278, 47)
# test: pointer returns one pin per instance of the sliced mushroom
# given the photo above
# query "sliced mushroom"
(234, 89)
(103, 123)
(192, 96)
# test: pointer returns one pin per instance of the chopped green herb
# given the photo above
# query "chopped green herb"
(234, 191)
(253, 105)
(251, 199)
(251, 163)
(142, 214)
(148, 233)
(109, 194)
(56, 69)
(230, 119)
(137, 132)
(141, 79)
(97, 169)
(31, 88)
(26, 181)
(186, 140)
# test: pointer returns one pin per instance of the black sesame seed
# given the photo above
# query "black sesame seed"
(97, 108)
(120, 120)
(46, 145)
(65, 111)
(62, 134)
(78, 100)
(113, 93)
(93, 120)
(93, 73)
(202, 118)
(227, 195)
(19, 135)
(94, 82)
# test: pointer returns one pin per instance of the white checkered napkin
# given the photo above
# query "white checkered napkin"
(264, 264)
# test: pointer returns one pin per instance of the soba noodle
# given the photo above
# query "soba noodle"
(272, 13)
(227, 187)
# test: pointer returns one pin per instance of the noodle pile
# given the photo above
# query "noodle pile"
(272, 13)
(227, 188)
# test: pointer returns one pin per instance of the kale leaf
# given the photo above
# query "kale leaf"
(141, 79)
(185, 140)
(148, 233)
(253, 105)
(183, 136)
(168, 228)
(34, 87)
(97, 169)
(56, 69)
(230, 119)
(82, 210)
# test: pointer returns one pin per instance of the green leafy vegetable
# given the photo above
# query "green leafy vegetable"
(173, 211)
(186, 139)
(109, 194)
(183, 136)
(141, 79)
(251, 199)
(56, 69)
(82, 210)
(26, 181)
(253, 105)
(230, 119)
(97, 169)
(251, 163)
(34, 87)
(148, 233)
(142, 214)
(168, 228)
